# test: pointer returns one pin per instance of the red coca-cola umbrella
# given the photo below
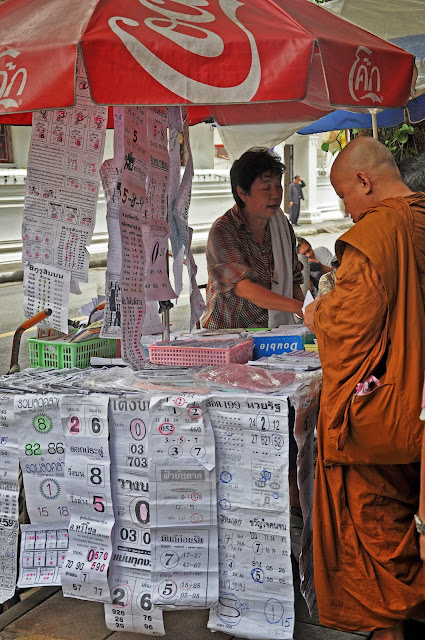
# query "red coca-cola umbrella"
(238, 62)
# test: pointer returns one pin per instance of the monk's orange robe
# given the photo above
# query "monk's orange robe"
(368, 573)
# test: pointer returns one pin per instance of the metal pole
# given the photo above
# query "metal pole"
(166, 325)
(374, 125)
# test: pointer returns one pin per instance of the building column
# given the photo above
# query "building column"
(305, 165)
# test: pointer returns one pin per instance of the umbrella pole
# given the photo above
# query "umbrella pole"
(374, 125)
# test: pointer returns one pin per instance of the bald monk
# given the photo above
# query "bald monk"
(371, 332)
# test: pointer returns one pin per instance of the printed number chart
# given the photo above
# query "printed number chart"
(42, 456)
(87, 463)
(9, 463)
(256, 591)
(130, 576)
(183, 503)
(43, 550)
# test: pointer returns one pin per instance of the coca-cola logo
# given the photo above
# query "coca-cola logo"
(190, 30)
(365, 79)
(9, 77)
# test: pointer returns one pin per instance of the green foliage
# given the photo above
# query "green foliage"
(399, 140)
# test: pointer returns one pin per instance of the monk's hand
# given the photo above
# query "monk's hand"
(309, 315)
(422, 545)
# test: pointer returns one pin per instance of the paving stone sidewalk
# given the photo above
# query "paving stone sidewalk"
(46, 615)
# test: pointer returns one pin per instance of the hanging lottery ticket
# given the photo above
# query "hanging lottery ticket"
(47, 287)
(143, 227)
(43, 551)
(88, 488)
(129, 418)
(177, 247)
(256, 592)
(42, 456)
(159, 162)
(183, 503)
(62, 182)
(9, 491)
(179, 197)
(197, 304)
(157, 285)
(132, 213)
(130, 579)
(131, 608)
(111, 180)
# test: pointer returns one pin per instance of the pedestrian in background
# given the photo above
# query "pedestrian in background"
(295, 196)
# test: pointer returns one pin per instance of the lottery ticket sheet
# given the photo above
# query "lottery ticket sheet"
(65, 154)
(179, 197)
(88, 488)
(131, 157)
(130, 569)
(111, 180)
(256, 598)
(42, 456)
(131, 608)
(183, 503)
(141, 151)
(9, 492)
(47, 287)
(43, 551)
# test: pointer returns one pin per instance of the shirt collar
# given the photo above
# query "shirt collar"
(238, 216)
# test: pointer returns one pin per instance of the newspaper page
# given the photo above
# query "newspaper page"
(42, 456)
(130, 577)
(9, 495)
(183, 503)
(88, 490)
(256, 597)
(43, 551)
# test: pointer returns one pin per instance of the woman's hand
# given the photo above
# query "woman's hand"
(309, 315)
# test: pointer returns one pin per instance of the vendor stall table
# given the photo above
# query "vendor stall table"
(174, 460)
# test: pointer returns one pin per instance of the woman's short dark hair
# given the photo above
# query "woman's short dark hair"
(412, 171)
(252, 165)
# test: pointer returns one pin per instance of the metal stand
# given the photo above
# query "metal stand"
(164, 310)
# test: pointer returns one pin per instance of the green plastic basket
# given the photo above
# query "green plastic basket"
(53, 354)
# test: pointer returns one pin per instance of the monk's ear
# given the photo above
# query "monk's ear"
(364, 181)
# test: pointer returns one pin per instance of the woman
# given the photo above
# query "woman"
(254, 275)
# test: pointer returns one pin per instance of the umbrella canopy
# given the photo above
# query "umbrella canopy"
(403, 23)
(290, 56)
(348, 120)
